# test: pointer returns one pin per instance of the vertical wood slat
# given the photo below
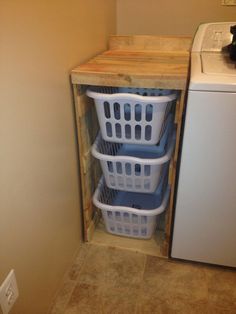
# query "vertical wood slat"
(90, 172)
(172, 176)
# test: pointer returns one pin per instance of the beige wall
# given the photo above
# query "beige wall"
(40, 224)
(157, 17)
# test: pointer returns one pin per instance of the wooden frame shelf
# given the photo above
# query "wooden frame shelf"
(131, 61)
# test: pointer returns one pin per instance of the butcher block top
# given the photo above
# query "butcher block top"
(139, 61)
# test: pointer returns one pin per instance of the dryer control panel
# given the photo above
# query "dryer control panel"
(217, 37)
(213, 37)
(212, 68)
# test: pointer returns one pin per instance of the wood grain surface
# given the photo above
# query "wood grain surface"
(135, 61)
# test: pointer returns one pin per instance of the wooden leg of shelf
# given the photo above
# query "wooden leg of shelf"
(90, 172)
(172, 177)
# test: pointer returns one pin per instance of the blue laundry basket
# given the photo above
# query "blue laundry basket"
(132, 115)
(132, 214)
(135, 168)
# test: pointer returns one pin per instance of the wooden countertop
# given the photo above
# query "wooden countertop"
(138, 61)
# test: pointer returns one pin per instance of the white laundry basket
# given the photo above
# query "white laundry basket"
(132, 115)
(131, 214)
(135, 168)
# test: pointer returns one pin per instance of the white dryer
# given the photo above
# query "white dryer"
(205, 215)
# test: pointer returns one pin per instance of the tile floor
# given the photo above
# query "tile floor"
(108, 280)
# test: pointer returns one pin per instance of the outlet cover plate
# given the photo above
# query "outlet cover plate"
(8, 292)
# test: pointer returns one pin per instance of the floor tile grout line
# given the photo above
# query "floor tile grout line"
(64, 281)
(69, 297)
(142, 278)
(207, 281)
(143, 268)
(83, 263)
(67, 279)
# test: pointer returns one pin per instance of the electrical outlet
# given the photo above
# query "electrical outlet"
(228, 2)
(8, 292)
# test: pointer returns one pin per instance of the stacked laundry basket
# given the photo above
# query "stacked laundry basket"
(134, 147)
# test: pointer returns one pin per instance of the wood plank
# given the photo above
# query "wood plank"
(168, 71)
(142, 42)
(150, 247)
(85, 103)
(150, 57)
(90, 171)
(172, 177)
(141, 81)
(93, 225)
(139, 68)
(138, 61)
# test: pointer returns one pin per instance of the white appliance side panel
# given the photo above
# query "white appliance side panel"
(205, 218)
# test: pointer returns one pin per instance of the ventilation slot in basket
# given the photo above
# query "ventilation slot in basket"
(148, 133)
(138, 132)
(118, 130)
(108, 129)
(107, 109)
(149, 112)
(138, 112)
(127, 112)
(117, 111)
(128, 131)
(128, 169)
